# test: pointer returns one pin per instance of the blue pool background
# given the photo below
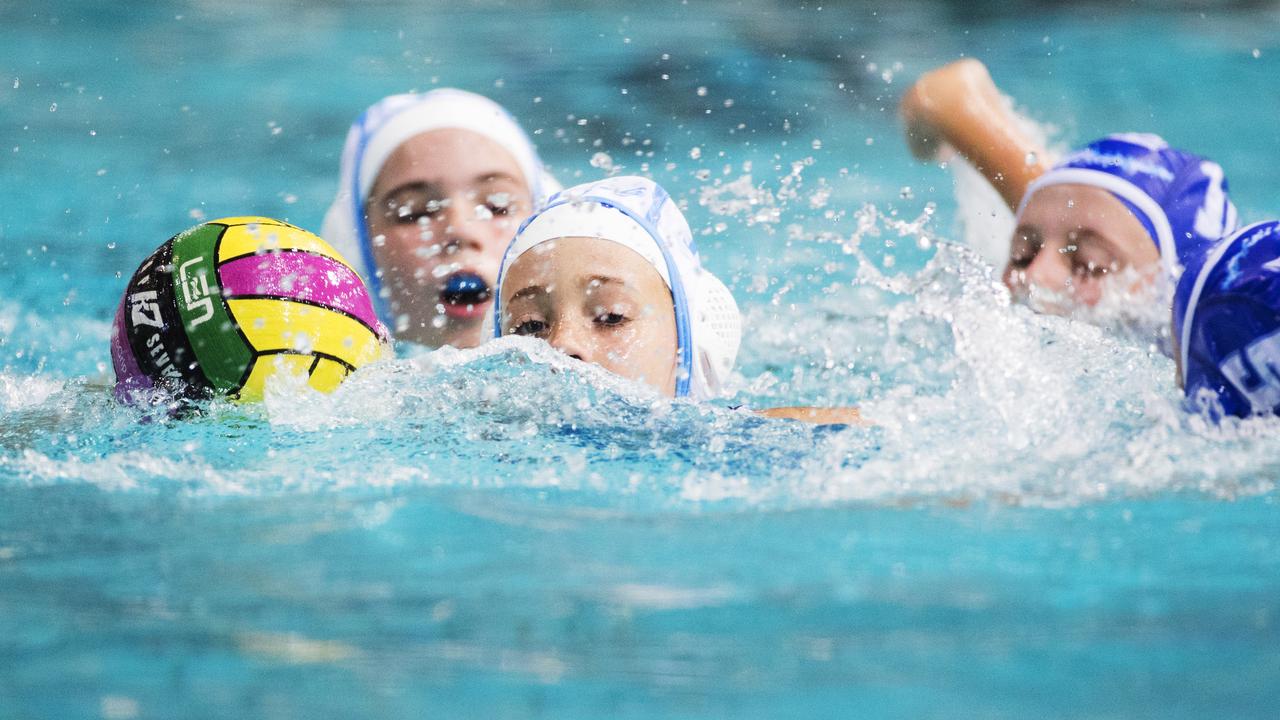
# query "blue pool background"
(1034, 528)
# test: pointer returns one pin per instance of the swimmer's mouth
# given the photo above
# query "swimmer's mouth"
(465, 295)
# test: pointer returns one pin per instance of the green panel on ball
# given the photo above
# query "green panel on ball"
(221, 349)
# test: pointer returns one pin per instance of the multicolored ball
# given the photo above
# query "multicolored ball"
(222, 307)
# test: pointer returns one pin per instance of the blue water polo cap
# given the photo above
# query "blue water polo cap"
(1226, 321)
(1181, 199)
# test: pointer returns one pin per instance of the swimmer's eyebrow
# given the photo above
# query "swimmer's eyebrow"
(420, 186)
(527, 291)
(1029, 232)
(605, 280)
(1089, 235)
(495, 176)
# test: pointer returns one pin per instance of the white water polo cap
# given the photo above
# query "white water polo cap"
(638, 214)
(385, 126)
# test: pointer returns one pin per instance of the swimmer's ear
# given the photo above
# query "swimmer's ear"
(718, 331)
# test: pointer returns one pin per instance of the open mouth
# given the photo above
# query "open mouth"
(465, 295)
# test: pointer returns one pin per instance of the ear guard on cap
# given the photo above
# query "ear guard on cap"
(718, 329)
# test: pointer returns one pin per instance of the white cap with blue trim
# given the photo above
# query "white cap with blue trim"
(385, 126)
(638, 214)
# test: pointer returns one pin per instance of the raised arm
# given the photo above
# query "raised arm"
(959, 106)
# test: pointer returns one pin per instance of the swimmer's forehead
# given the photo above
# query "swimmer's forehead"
(582, 262)
(437, 187)
(1080, 233)
(1072, 202)
(589, 282)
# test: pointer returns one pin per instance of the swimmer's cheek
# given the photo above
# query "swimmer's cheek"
(818, 415)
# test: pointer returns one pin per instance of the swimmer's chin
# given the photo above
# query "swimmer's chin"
(460, 333)
(469, 313)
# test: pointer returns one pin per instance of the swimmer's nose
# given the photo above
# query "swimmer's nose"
(1046, 270)
(569, 340)
(463, 230)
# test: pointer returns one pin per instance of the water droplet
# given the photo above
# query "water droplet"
(111, 246)
(906, 193)
(1031, 159)
(817, 144)
(602, 160)
(871, 141)
(1256, 54)
(695, 153)
(16, 83)
(53, 107)
(702, 91)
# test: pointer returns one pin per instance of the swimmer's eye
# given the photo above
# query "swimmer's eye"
(529, 327)
(1021, 262)
(1090, 269)
(612, 319)
(500, 204)
(1025, 247)
(415, 212)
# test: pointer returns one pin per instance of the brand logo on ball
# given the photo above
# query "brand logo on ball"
(144, 310)
(195, 291)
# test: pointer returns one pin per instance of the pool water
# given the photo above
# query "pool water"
(1034, 527)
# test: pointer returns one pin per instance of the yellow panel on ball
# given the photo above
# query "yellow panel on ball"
(273, 366)
(249, 219)
(327, 375)
(259, 238)
(272, 324)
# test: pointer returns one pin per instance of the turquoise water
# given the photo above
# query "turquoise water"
(1033, 528)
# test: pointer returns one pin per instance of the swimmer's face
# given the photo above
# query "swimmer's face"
(598, 302)
(445, 202)
(1070, 239)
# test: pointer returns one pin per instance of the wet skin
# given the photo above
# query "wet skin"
(596, 301)
(1070, 238)
(445, 202)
